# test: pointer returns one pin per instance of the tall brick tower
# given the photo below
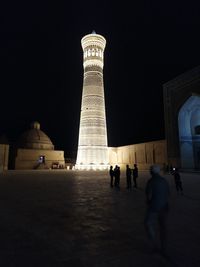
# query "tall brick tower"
(92, 144)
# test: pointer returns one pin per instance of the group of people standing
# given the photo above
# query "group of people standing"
(115, 176)
(130, 173)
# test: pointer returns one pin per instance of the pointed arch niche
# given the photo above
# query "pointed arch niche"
(189, 133)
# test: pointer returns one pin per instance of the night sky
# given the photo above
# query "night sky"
(42, 74)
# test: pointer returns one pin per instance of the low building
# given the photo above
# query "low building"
(36, 151)
(144, 154)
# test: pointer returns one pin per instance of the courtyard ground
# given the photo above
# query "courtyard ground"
(74, 219)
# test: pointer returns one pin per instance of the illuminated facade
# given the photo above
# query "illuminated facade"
(144, 154)
(182, 120)
(92, 144)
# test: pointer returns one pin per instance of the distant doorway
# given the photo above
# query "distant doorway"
(42, 159)
(189, 133)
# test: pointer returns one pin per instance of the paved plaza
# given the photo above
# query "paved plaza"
(72, 219)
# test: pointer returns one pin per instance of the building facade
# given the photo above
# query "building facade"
(144, 155)
(182, 120)
(36, 151)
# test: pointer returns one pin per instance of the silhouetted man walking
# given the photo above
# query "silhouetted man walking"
(178, 182)
(157, 194)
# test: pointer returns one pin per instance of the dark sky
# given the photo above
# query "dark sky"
(42, 73)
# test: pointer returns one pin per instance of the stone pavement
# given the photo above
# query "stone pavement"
(74, 219)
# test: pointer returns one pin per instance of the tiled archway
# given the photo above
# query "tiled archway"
(189, 137)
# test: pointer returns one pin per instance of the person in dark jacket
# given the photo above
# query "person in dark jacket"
(115, 179)
(111, 173)
(117, 176)
(128, 177)
(177, 180)
(157, 195)
(135, 175)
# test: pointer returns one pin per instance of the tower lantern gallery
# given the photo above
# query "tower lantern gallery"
(92, 143)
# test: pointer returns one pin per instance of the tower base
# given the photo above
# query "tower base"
(95, 167)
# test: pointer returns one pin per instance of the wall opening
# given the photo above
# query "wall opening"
(189, 133)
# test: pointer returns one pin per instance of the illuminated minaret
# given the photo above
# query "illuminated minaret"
(92, 144)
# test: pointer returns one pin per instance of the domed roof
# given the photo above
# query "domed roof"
(35, 139)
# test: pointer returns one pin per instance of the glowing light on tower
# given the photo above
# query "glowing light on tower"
(92, 144)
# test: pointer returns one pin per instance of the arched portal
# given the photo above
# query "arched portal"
(189, 133)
